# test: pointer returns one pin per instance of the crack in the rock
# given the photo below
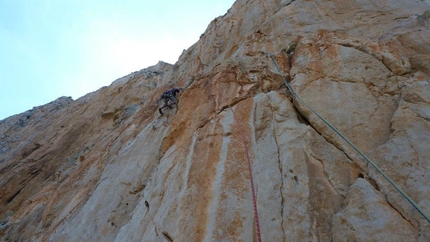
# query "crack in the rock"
(307, 72)
(395, 209)
(234, 103)
(280, 170)
(204, 124)
(425, 119)
(288, 4)
(363, 49)
(326, 175)
(282, 184)
(378, 105)
(300, 117)
(362, 170)
(349, 157)
(299, 113)
(230, 105)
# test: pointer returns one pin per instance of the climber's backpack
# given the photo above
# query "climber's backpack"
(166, 94)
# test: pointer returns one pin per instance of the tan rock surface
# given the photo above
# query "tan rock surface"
(108, 167)
(368, 217)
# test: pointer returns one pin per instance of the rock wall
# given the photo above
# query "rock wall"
(108, 167)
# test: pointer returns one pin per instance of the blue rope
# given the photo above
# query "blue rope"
(410, 200)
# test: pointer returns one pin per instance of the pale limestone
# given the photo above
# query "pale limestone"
(368, 217)
(108, 167)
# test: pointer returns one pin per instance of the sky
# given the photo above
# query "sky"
(54, 48)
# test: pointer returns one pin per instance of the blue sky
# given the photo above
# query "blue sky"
(53, 48)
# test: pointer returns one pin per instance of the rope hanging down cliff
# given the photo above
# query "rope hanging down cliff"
(251, 178)
(297, 97)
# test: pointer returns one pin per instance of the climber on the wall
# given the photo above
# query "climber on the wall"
(167, 96)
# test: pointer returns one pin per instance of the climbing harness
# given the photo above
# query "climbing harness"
(251, 179)
(410, 200)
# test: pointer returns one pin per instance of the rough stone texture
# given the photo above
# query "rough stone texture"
(108, 167)
(368, 217)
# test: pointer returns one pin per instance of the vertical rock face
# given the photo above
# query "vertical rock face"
(108, 167)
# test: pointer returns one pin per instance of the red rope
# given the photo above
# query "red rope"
(251, 179)
(254, 200)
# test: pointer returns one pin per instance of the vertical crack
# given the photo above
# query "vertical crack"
(282, 180)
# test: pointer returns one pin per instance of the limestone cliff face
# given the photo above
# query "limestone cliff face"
(108, 167)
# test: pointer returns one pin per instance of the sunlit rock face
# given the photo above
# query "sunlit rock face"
(109, 167)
